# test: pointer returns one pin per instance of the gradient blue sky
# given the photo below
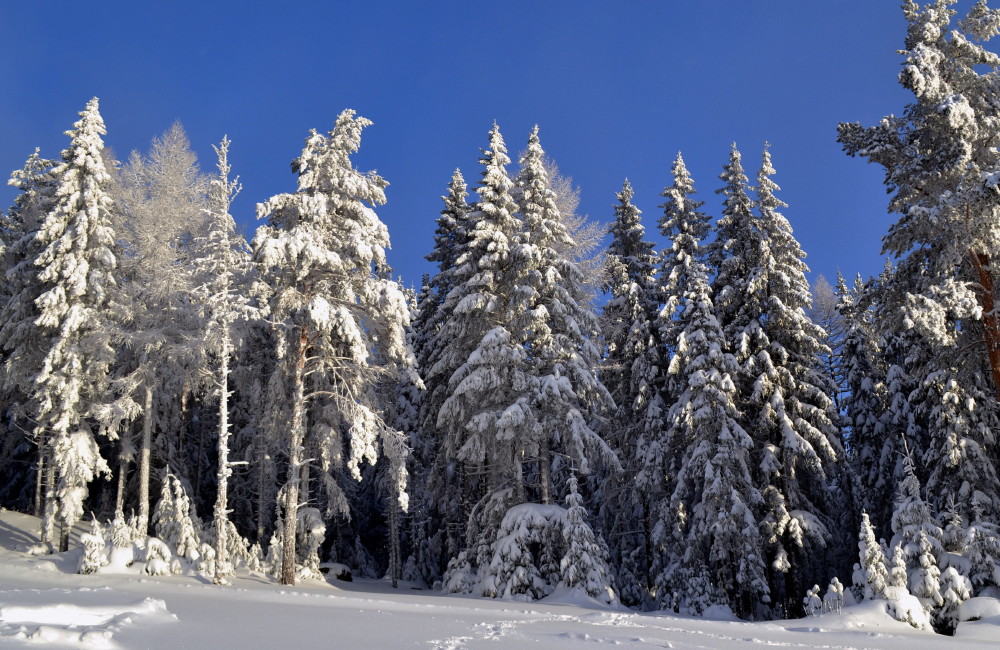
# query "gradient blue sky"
(617, 89)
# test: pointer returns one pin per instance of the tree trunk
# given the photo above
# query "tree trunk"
(180, 463)
(296, 437)
(394, 567)
(545, 472)
(49, 511)
(144, 452)
(222, 478)
(120, 491)
(991, 321)
(262, 496)
(40, 469)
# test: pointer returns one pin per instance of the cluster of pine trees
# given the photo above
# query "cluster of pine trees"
(707, 437)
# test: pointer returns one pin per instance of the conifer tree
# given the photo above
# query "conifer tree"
(559, 329)
(75, 268)
(487, 418)
(711, 526)
(792, 415)
(874, 574)
(633, 367)
(160, 209)
(322, 252)
(221, 263)
(22, 343)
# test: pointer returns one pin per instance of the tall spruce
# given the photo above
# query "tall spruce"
(75, 268)
(633, 366)
(560, 331)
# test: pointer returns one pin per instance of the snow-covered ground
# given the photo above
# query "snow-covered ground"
(43, 602)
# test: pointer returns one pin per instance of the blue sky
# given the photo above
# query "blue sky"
(617, 89)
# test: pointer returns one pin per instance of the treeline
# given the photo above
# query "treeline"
(700, 440)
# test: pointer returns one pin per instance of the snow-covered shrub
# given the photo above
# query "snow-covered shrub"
(459, 578)
(95, 553)
(513, 569)
(811, 603)
(311, 531)
(158, 557)
(122, 545)
(955, 589)
(833, 600)
(907, 608)
(206, 560)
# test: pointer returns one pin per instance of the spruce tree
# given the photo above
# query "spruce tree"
(712, 526)
(559, 329)
(75, 268)
(633, 367)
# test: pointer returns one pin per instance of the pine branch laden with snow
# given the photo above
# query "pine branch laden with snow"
(340, 322)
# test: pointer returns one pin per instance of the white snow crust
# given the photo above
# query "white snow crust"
(58, 608)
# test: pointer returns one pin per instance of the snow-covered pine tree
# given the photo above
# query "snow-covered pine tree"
(634, 365)
(791, 413)
(955, 589)
(559, 329)
(75, 268)
(486, 418)
(584, 565)
(439, 477)
(735, 257)
(874, 575)
(686, 226)
(322, 252)
(942, 166)
(912, 518)
(865, 401)
(658, 455)
(925, 578)
(21, 342)
(709, 525)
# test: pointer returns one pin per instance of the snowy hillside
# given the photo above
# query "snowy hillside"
(43, 602)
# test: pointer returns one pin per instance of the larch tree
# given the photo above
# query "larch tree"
(160, 209)
(336, 316)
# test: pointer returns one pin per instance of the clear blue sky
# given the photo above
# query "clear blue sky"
(616, 87)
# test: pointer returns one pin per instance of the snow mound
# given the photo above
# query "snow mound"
(980, 619)
(46, 617)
